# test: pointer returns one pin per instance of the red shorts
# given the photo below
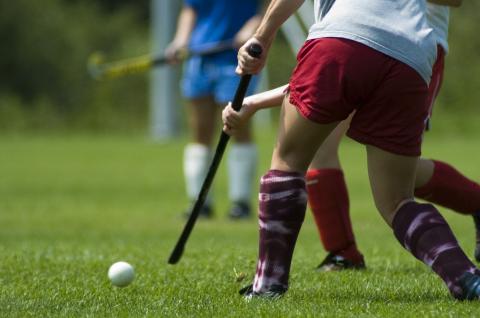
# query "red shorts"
(335, 77)
(437, 79)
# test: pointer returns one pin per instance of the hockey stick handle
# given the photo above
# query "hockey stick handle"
(255, 51)
(202, 50)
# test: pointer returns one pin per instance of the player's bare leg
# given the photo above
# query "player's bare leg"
(294, 127)
(392, 179)
(242, 167)
(327, 155)
(202, 120)
(283, 199)
(329, 203)
(420, 228)
(435, 181)
(441, 183)
(425, 169)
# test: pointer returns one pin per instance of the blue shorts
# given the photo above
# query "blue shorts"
(203, 77)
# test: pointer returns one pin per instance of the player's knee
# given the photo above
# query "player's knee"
(243, 135)
(388, 207)
(290, 161)
(325, 159)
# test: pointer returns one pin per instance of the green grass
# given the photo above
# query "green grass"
(71, 206)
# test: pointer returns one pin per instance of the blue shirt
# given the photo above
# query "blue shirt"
(220, 20)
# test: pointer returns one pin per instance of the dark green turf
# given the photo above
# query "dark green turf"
(71, 206)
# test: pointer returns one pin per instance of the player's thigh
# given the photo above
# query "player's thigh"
(327, 155)
(244, 134)
(425, 171)
(203, 116)
(318, 90)
(298, 139)
(392, 179)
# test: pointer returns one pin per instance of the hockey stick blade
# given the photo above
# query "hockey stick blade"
(98, 69)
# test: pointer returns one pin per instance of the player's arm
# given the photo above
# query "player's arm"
(247, 31)
(185, 24)
(450, 3)
(233, 120)
(249, 28)
(277, 13)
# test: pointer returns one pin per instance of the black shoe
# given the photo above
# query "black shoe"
(206, 211)
(337, 263)
(240, 210)
(274, 292)
(470, 284)
(476, 219)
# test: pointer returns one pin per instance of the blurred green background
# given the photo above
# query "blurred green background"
(44, 86)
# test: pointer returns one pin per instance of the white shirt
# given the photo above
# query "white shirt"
(397, 28)
(438, 17)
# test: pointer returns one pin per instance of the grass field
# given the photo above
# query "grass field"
(70, 206)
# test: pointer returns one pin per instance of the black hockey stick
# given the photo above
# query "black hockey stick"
(100, 70)
(255, 51)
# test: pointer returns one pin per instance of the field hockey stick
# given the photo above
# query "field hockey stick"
(255, 51)
(100, 70)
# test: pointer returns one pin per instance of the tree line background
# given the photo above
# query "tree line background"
(45, 44)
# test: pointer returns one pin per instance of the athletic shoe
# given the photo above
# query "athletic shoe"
(274, 292)
(239, 210)
(470, 284)
(338, 263)
(476, 219)
(206, 211)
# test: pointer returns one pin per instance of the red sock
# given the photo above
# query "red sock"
(449, 188)
(328, 199)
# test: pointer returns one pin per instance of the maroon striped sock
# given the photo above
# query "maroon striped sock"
(422, 230)
(282, 205)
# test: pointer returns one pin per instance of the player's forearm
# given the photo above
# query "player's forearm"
(252, 24)
(233, 120)
(247, 31)
(268, 99)
(277, 13)
(185, 25)
(450, 3)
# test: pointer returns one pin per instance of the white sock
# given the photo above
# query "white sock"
(196, 160)
(242, 165)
